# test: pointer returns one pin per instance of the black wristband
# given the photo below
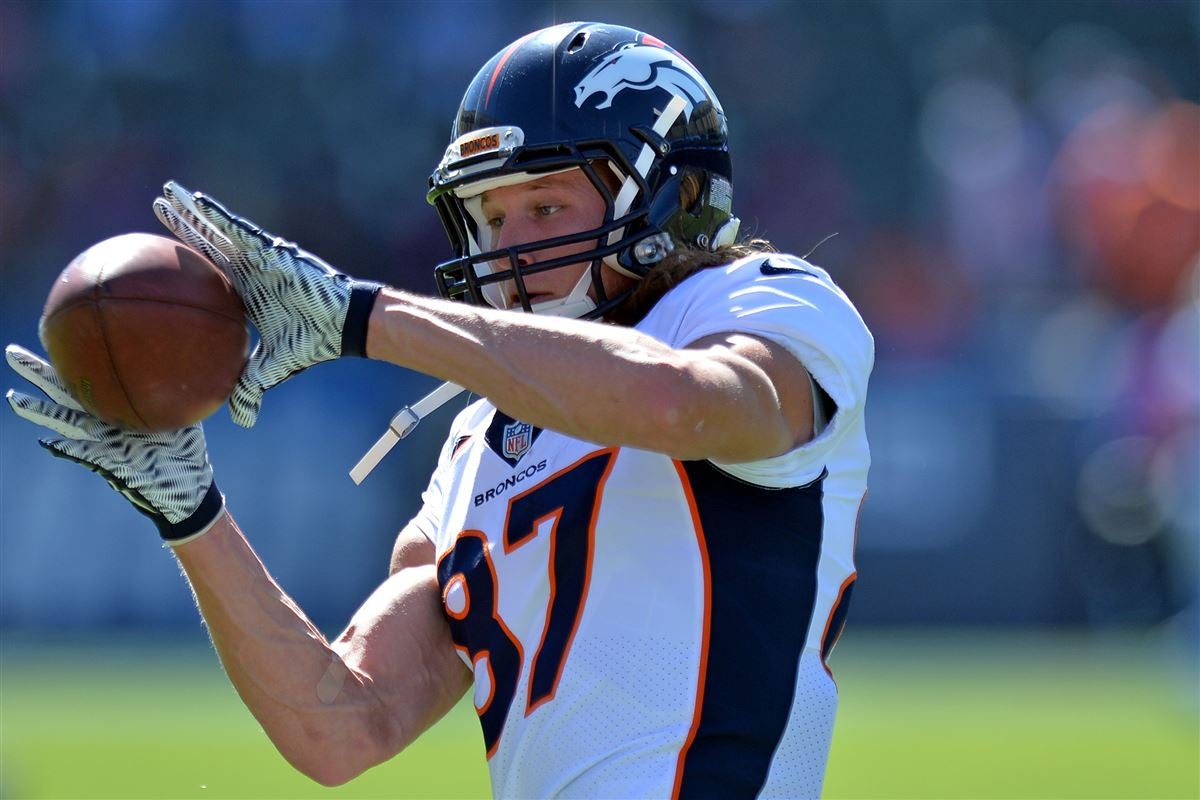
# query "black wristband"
(204, 515)
(354, 332)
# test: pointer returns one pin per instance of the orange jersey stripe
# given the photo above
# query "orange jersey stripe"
(686, 484)
(832, 613)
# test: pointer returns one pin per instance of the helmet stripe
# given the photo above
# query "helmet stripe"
(655, 41)
(504, 60)
(625, 197)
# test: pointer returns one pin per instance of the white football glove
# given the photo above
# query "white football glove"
(166, 476)
(305, 311)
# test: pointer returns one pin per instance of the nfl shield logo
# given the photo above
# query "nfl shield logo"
(517, 438)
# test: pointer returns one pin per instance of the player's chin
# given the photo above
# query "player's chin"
(514, 300)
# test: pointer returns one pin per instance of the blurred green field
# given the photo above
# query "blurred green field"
(1010, 715)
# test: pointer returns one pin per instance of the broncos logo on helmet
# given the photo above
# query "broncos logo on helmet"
(642, 67)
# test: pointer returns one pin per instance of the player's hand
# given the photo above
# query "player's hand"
(166, 476)
(305, 311)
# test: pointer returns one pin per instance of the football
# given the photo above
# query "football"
(145, 332)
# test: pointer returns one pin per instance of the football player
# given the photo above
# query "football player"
(638, 545)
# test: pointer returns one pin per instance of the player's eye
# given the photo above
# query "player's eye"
(495, 223)
(547, 210)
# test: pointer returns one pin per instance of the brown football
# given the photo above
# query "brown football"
(145, 332)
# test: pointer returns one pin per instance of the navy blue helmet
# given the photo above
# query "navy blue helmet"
(622, 106)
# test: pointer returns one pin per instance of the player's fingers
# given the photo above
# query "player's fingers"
(188, 234)
(79, 452)
(119, 476)
(255, 380)
(239, 230)
(287, 257)
(40, 373)
(245, 402)
(183, 203)
(240, 240)
(69, 422)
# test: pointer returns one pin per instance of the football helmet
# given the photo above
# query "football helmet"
(597, 98)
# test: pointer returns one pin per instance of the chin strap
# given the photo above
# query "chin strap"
(576, 305)
(402, 424)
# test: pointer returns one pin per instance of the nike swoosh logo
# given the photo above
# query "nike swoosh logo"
(767, 268)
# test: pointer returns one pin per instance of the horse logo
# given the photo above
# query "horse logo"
(642, 67)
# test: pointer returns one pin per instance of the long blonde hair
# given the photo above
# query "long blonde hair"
(679, 265)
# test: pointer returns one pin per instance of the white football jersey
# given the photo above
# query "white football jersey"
(640, 626)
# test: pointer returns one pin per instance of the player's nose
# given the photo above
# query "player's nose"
(515, 233)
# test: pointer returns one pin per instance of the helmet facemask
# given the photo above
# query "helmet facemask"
(482, 276)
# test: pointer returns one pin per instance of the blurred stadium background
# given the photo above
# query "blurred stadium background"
(1015, 189)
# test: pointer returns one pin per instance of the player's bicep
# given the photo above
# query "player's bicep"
(399, 641)
(412, 548)
(774, 408)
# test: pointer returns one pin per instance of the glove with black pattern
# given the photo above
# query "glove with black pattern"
(166, 476)
(305, 311)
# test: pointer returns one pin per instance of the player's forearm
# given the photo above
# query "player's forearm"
(314, 708)
(601, 383)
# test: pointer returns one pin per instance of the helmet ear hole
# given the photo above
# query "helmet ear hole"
(691, 191)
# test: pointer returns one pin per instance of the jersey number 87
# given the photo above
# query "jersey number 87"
(569, 499)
